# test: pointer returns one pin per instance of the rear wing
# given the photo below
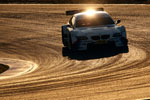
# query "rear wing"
(72, 12)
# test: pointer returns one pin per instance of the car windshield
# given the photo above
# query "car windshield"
(95, 20)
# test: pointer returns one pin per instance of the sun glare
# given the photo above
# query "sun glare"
(90, 12)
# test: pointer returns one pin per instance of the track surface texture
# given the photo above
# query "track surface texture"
(32, 33)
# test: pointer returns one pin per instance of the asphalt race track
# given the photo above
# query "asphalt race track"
(41, 69)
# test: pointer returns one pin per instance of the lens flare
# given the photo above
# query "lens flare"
(90, 12)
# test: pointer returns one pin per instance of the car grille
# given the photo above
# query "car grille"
(105, 36)
(95, 37)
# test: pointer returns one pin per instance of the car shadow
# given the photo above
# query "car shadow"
(94, 53)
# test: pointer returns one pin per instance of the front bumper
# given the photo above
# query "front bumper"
(85, 44)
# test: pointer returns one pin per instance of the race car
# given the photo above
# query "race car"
(92, 27)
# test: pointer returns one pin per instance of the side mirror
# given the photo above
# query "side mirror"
(118, 21)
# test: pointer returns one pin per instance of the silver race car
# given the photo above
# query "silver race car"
(92, 27)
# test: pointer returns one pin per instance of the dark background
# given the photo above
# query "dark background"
(78, 1)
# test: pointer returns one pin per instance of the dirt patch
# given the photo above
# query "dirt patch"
(3, 68)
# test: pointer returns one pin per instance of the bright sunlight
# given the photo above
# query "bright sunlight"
(90, 12)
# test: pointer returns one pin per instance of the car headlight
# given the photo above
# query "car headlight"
(116, 34)
(82, 37)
